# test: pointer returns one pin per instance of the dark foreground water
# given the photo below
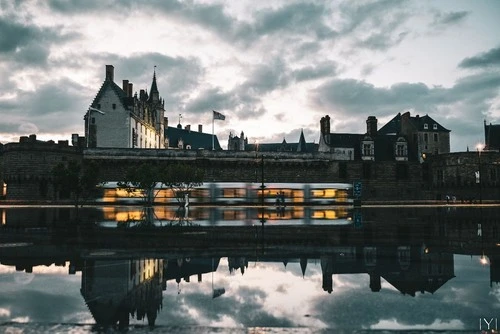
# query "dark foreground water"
(363, 270)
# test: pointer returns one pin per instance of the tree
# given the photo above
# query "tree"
(182, 178)
(150, 178)
(75, 180)
(144, 178)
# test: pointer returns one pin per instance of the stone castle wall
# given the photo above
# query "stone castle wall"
(27, 170)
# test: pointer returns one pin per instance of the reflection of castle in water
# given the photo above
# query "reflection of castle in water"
(115, 290)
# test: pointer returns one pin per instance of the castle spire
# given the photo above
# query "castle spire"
(301, 147)
(154, 95)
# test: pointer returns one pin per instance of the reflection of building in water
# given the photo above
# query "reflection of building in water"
(237, 263)
(408, 268)
(184, 268)
(114, 290)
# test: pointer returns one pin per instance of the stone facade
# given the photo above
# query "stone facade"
(27, 167)
(119, 118)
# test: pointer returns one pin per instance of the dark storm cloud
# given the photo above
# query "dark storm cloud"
(486, 59)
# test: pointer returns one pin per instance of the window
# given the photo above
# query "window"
(426, 126)
(367, 149)
(426, 137)
(114, 106)
(400, 150)
(436, 137)
(435, 126)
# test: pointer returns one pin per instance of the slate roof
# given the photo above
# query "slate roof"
(109, 84)
(394, 125)
(282, 147)
(197, 140)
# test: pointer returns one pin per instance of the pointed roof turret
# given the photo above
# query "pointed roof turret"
(301, 147)
(153, 92)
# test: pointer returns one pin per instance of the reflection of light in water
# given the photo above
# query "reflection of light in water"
(23, 278)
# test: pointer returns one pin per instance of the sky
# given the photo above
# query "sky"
(273, 67)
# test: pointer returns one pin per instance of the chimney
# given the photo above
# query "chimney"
(188, 127)
(130, 89)
(371, 126)
(110, 72)
(325, 125)
(74, 139)
(125, 87)
(200, 128)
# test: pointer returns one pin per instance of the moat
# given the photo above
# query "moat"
(295, 269)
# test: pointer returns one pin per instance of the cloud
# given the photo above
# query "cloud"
(317, 71)
(449, 18)
(486, 59)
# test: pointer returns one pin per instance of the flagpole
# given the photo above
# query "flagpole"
(213, 117)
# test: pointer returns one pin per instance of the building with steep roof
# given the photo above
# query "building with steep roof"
(117, 118)
(404, 138)
(425, 136)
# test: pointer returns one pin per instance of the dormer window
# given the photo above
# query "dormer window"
(426, 126)
(434, 126)
(401, 149)
(368, 149)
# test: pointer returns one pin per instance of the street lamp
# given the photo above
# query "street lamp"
(479, 180)
(88, 121)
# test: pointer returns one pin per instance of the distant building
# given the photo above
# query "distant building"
(240, 143)
(187, 139)
(491, 137)
(404, 138)
(425, 136)
(118, 118)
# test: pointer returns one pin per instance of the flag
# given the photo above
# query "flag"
(218, 292)
(218, 115)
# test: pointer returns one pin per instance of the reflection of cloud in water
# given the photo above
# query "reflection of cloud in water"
(23, 278)
(437, 325)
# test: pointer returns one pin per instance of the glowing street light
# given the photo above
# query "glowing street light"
(479, 148)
